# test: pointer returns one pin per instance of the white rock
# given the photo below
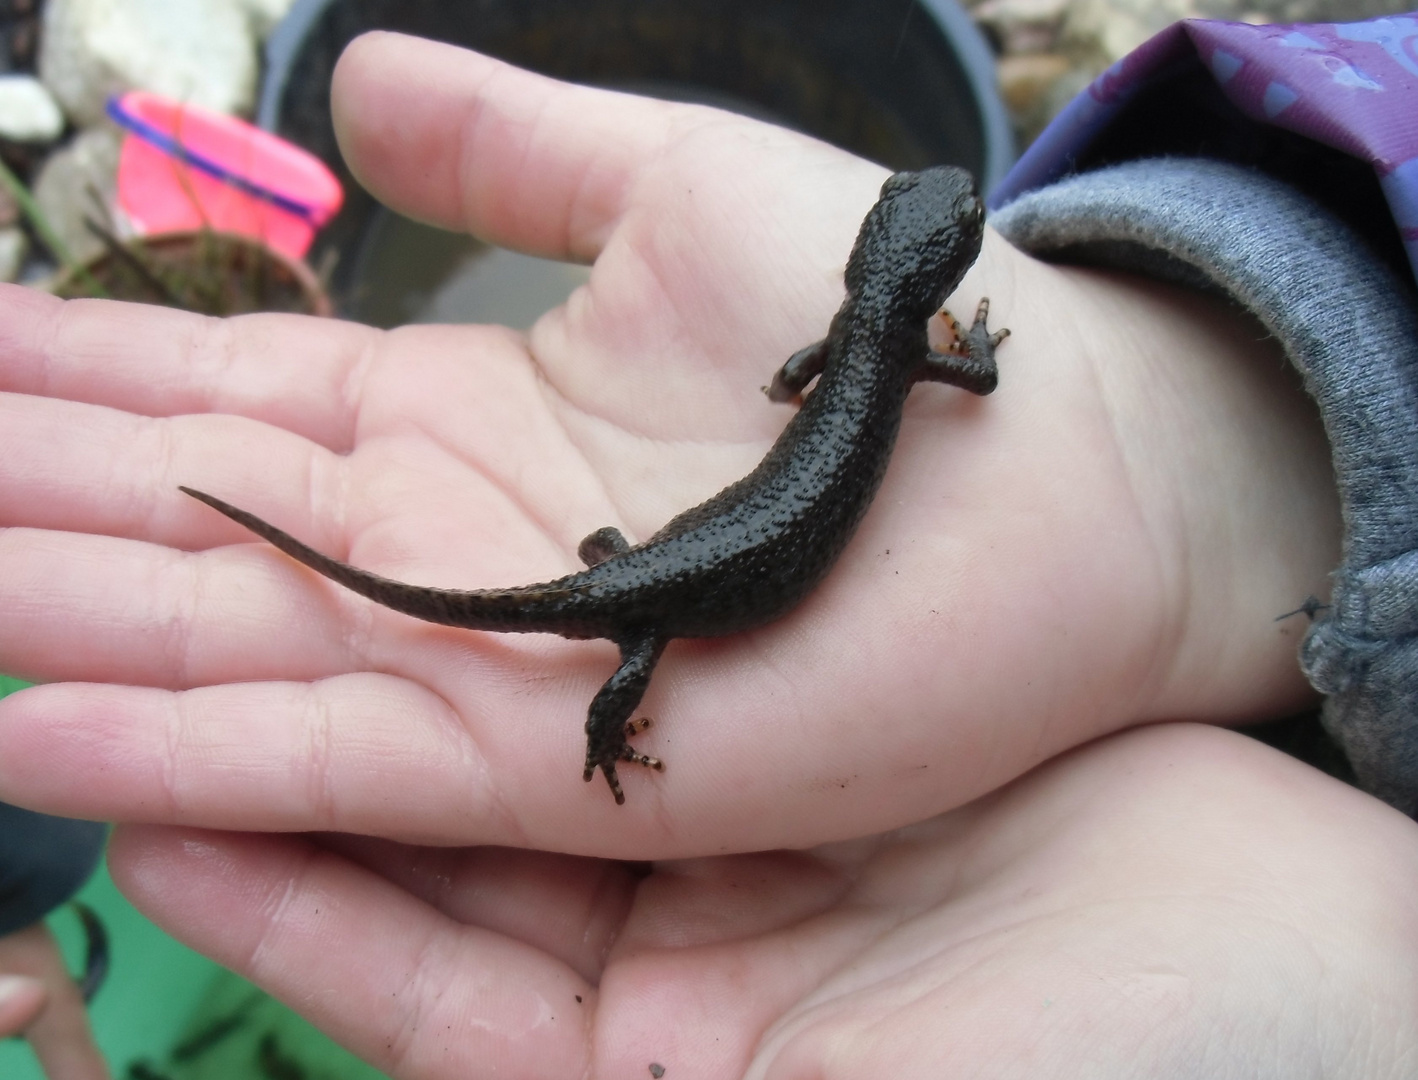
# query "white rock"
(13, 247)
(202, 52)
(28, 112)
(65, 185)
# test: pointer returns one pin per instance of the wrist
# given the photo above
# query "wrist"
(1197, 471)
(1232, 471)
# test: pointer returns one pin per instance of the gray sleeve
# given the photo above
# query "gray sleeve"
(1350, 326)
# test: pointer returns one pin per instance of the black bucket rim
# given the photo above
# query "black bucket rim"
(966, 43)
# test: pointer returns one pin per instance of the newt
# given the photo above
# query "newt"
(748, 555)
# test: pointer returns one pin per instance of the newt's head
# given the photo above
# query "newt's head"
(917, 241)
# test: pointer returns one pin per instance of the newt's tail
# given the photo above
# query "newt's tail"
(557, 607)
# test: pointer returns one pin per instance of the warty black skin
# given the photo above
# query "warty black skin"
(752, 552)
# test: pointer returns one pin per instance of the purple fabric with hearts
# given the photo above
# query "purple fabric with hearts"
(1350, 86)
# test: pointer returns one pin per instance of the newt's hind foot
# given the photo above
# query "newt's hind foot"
(629, 753)
(607, 724)
(625, 753)
(790, 380)
(601, 545)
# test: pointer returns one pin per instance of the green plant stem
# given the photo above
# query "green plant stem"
(21, 194)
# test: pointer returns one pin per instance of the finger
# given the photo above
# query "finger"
(57, 1025)
(21, 999)
(291, 371)
(467, 142)
(365, 753)
(361, 753)
(62, 1038)
(570, 907)
(420, 995)
(89, 468)
(93, 469)
(103, 609)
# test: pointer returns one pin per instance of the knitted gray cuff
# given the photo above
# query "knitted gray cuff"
(1351, 327)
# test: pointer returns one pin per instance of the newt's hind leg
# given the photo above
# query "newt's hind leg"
(800, 369)
(969, 360)
(608, 724)
(601, 545)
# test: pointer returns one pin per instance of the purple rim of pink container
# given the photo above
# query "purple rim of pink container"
(167, 144)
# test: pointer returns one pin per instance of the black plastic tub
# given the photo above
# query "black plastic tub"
(907, 83)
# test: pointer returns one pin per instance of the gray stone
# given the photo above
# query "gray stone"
(202, 52)
(28, 112)
(65, 185)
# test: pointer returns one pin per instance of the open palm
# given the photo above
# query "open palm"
(1025, 581)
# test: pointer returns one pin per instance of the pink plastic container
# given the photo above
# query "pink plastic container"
(183, 167)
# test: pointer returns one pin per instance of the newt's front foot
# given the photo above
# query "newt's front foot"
(605, 761)
(968, 359)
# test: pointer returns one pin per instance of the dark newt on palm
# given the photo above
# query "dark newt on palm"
(752, 552)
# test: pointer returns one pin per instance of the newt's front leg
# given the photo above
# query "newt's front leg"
(969, 360)
(607, 724)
